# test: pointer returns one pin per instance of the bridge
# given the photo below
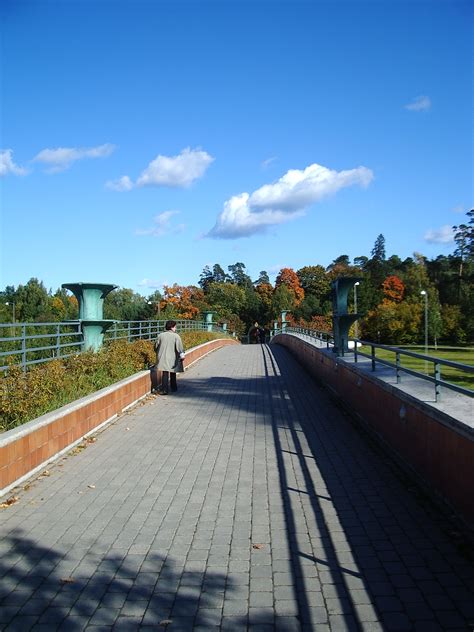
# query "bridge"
(248, 500)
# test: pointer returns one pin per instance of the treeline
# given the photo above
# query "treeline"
(388, 297)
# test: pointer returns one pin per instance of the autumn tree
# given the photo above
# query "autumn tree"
(393, 289)
(183, 300)
(289, 278)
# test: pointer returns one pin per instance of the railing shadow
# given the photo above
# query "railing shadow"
(380, 552)
(348, 547)
(379, 556)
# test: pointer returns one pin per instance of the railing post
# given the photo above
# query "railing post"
(437, 368)
(372, 351)
(355, 350)
(129, 331)
(58, 341)
(23, 347)
(398, 365)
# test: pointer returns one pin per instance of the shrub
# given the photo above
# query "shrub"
(46, 387)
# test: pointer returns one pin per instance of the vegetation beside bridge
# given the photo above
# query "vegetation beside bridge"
(44, 388)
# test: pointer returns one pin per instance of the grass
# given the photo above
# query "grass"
(459, 377)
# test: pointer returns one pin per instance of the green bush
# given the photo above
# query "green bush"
(46, 387)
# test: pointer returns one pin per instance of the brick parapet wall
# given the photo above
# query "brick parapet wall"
(433, 446)
(27, 449)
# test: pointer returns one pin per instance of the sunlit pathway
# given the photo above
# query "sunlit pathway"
(245, 501)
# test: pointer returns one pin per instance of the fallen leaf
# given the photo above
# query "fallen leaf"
(127, 428)
(9, 502)
(45, 474)
(258, 546)
(67, 580)
(26, 487)
(91, 486)
(165, 622)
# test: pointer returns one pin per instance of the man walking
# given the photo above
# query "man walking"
(169, 356)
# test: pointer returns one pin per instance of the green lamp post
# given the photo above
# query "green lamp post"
(208, 318)
(342, 321)
(90, 297)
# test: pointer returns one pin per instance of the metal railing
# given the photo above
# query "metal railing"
(28, 344)
(436, 363)
(33, 343)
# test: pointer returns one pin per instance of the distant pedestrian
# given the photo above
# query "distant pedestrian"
(169, 356)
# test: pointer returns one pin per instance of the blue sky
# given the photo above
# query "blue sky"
(142, 140)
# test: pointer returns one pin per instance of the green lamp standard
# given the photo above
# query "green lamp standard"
(13, 310)
(356, 329)
(425, 294)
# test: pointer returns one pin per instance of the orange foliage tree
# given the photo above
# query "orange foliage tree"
(393, 289)
(183, 299)
(288, 277)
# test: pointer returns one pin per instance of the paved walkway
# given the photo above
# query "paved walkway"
(245, 501)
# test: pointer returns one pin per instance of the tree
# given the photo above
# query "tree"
(341, 261)
(361, 262)
(206, 278)
(32, 301)
(264, 291)
(218, 274)
(393, 289)
(124, 304)
(289, 278)
(238, 275)
(184, 299)
(451, 324)
(393, 323)
(263, 279)
(314, 280)
(416, 276)
(153, 306)
(226, 299)
(283, 300)
(464, 239)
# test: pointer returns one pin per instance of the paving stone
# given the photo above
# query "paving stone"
(250, 451)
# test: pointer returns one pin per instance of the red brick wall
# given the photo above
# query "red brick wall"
(31, 446)
(433, 446)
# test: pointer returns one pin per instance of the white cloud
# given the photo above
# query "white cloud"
(176, 171)
(122, 184)
(162, 225)
(459, 209)
(151, 283)
(287, 198)
(275, 269)
(444, 235)
(419, 104)
(266, 163)
(8, 166)
(62, 158)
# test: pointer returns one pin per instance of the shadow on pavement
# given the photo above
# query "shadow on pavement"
(44, 588)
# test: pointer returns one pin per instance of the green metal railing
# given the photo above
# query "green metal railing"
(432, 375)
(27, 344)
